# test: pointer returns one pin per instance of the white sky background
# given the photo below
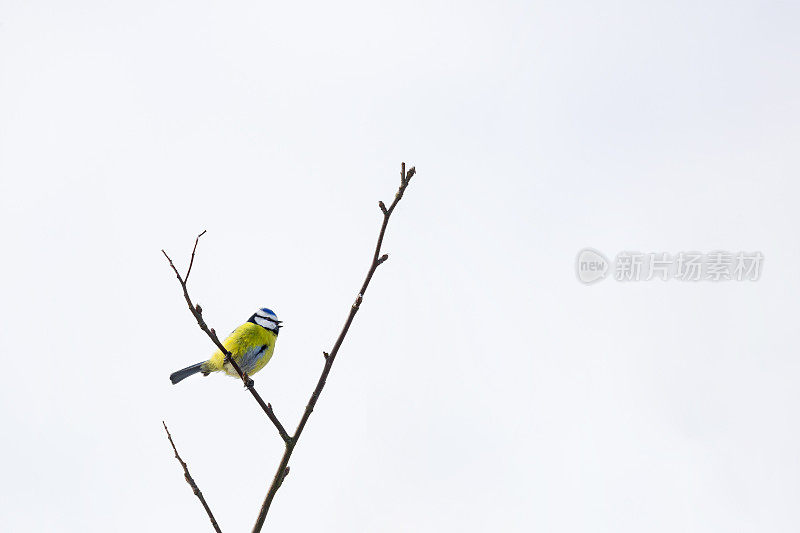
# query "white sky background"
(482, 387)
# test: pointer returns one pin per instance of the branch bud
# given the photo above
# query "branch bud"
(382, 206)
(383, 258)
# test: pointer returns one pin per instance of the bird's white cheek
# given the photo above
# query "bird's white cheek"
(264, 323)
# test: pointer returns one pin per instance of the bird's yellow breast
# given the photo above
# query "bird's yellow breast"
(251, 347)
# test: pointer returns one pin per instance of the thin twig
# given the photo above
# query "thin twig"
(377, 260)
(197, 311)
(191, 261)
(191, 482)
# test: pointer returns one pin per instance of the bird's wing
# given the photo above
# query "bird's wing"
(251, 357)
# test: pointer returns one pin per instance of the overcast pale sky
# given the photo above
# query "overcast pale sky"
(482, 387)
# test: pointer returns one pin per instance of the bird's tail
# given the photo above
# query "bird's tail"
(185, 373)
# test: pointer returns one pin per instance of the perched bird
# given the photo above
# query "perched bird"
(251, 346)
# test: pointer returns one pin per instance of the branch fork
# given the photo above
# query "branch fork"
(289, 441)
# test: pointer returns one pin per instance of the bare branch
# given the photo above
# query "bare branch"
(271, 414)
(191, 261)
(191, 482)
(289, 441)
(197, 312)
(377, 260)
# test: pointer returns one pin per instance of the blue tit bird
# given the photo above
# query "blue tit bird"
(251, 346)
